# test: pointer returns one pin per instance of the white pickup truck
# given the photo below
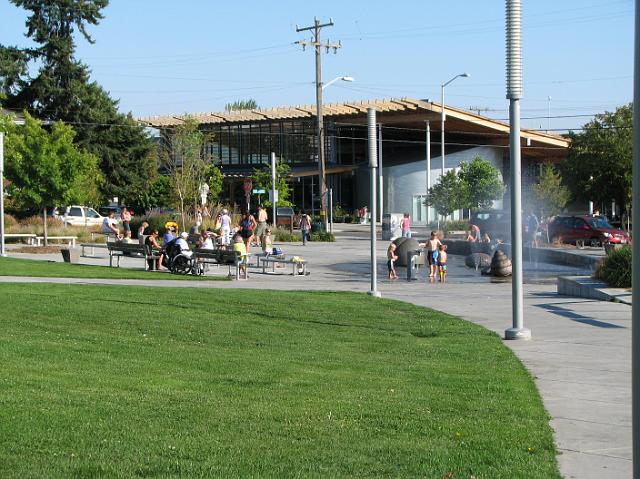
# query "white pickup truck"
(79, 216)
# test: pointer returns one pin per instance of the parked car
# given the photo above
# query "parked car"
(586, 229)
(495, 223)
(79, 215)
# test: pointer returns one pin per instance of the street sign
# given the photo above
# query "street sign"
(248, 184)
(258, 191)
(271, 194)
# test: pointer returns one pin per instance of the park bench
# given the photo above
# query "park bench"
(299, 267)
(70, 239)
(93, 246)
(220, 257)
(30, 237)
(118, 249)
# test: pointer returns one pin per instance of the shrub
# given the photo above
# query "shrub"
(155, 220)
(9, 221)
(615, 269)
(455, 225)
(323, 236)
(285, 236)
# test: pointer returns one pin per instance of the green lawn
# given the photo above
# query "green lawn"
(105, 381)
(51, 269)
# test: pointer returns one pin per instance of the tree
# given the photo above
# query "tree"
(549, 195)
(484, 183)
(598, 167)
(262, 178)
(214, 180)
(249, 104)
(449, 194)
(185, 164)
(61, 90)
(46, 168)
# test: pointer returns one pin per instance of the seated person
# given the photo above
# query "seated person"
(181, 242)
(151, 242)
(239, 246)
(110, 225)
(205, 240)
(168, 236)
(267, 244)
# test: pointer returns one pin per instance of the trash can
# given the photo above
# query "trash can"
(70, 255)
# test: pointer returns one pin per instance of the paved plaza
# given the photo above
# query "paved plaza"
(580, 354)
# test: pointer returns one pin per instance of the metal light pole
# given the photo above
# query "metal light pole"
(273, 189)
(635, 309)
(428, 153)
(514, 93)
(2, 250)
(380, 178)
(373, 163)
(443, 117)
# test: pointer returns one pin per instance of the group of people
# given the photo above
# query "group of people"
(436, 258)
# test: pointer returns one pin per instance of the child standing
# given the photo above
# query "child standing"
(391, 261)
(433, 245)
(405, 224)
(442, 262)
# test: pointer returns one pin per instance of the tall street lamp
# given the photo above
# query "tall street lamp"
(321, 162)
(443, 117)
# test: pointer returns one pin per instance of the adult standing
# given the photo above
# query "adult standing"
(225, 227)
(141, 231)
(262, 224)
(247, 227)
(125, 214)
(531, 226)
(305, 227)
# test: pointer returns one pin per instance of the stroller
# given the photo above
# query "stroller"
(177, 261)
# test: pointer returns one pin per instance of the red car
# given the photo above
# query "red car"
(586, 229)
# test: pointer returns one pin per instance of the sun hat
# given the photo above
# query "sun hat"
(184, 235)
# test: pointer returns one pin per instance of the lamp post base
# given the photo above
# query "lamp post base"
(375, 294)
(517, 333)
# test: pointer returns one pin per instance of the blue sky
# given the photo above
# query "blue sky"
(169, 57)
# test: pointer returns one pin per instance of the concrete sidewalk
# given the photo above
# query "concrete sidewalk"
(580, 354)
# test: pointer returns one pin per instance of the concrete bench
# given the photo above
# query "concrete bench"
(30, 237)
(299, 267)
(221, 257)
(457, 235)
(70, 239)
(119, 249)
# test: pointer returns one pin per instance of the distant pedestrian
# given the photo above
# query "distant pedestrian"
(247, 228)
(531, 225)
(262, 224)
(405, 224)
(225, 227)
(305, 227)
(392, 257)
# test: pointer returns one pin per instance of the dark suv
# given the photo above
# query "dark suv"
(585, 229)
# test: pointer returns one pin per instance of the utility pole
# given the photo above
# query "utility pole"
(318, 46)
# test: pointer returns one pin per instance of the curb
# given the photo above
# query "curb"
(590, 288)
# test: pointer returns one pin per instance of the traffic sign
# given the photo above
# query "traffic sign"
(258, 191)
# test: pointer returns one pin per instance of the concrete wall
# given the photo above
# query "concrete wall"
(402, 181)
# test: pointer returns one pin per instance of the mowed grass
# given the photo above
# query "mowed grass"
(52, 269)
(104, 381)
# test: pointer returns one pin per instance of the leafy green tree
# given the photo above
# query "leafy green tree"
(249, 104)
(484, 183)
(185, 163)
(214, 180)
(598, 167)
(550, 196)
(46, 168)
(449, 194)
(61, 90)
(157, 194)
(262, 178)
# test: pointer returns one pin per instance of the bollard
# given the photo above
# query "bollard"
(411, 255)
